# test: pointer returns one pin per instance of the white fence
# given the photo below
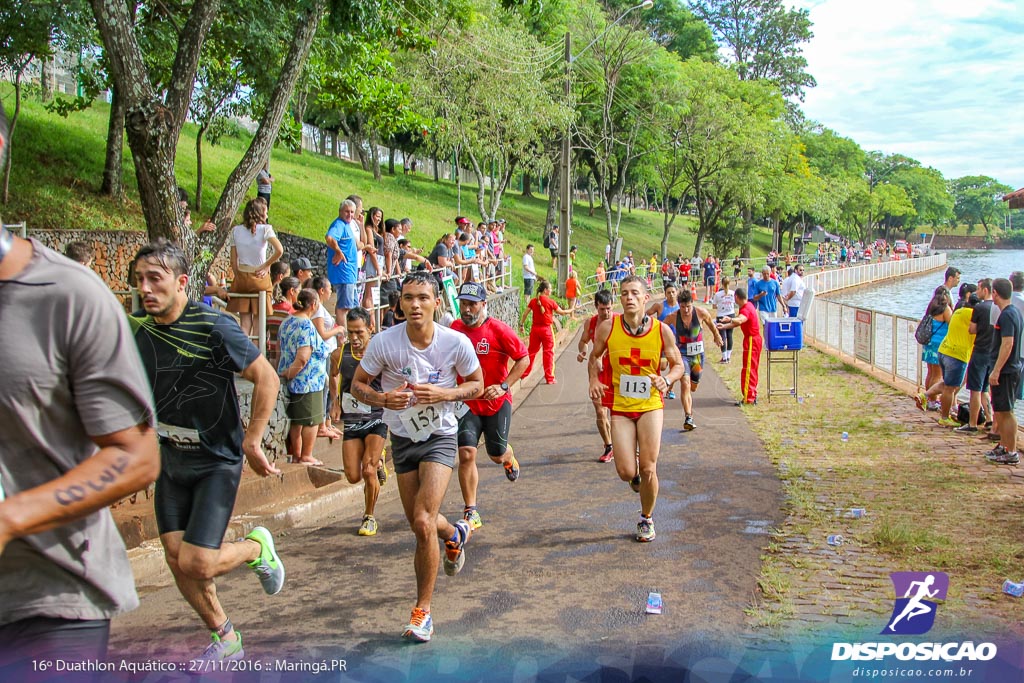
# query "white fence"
(881, 340)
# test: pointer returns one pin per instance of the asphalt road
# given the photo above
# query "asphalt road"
(554, 585)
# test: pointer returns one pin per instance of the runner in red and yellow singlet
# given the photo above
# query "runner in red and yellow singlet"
(635, 343)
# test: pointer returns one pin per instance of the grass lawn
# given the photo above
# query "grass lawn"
(58, 166)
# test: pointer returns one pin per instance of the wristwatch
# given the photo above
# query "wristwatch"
(504, 387)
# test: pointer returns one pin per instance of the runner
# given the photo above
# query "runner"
(365, 434)
(665, 309)
(418, 364)
(725, 306)
(495, 344)
(635, 343)
(747, 320)
(690, 340)
(201, 437)
(603, 305)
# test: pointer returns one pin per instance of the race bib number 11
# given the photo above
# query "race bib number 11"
(635, 386)
(421, 421)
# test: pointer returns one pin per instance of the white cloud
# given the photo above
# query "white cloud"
(934, 80)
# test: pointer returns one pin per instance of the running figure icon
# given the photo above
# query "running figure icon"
(916, 606)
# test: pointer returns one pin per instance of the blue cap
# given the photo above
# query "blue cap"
(473, 291)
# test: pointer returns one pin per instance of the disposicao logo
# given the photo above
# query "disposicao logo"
(913, 613)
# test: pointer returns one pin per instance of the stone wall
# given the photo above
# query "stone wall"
(505, 307)
(275, 439)
(295, 247)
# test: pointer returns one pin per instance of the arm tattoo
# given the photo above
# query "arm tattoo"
(76, 493)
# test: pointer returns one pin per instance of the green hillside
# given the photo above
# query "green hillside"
(58, 165)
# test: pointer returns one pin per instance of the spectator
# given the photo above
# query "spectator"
(289, 288)
(301, 269)
(303, 365)
(940, 311)
(529, 271)
(572, 292)
(343, 242)
(250, 263)
(329, 330)
(951, 280)
(264, 183)
(279, 270)
(793, 288)
(954, 353)
(553, 246)
(543, 308)
(1006, 373)
(600, 274)
(979, 367)
(373, 249)
(80, 252)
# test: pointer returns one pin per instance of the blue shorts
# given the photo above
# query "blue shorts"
(978, 371)
(346, 296)
(953, 370)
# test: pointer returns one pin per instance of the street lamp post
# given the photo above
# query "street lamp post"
(565, 220)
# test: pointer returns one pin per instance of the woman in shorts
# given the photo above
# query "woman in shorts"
(250, 264)
(303, 365)
(941, 311)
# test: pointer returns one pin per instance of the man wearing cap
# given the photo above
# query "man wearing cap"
(495, 344)
(302, 269)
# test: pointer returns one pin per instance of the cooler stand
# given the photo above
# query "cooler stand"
(784, 358)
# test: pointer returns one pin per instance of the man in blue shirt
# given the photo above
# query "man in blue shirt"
(767, 295)
(343, 247)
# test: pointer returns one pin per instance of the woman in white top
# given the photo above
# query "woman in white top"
(329, 330)
(249, 261)
(725, 306)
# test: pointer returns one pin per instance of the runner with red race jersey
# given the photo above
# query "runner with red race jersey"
(603, 305)
(495, 344)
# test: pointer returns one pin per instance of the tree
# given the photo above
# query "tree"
(978, 199)
(928, 192)
(154, 119)
(763, 40)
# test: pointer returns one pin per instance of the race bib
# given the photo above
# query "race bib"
(181, 438)
(460, 408)
(635, 386)
(421, 421)
(695, 348)
(350, 404)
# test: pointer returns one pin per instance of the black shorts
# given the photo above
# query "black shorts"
(195, 496)
(978, 371)
(365, 429)
(1006, 393)
(494, 429)
(407, 454)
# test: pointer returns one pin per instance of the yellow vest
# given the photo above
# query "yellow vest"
(634, 361)
(959, 341)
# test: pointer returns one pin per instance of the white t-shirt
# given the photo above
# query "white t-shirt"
(251, 247)
(328, 319)
(392, 356)
(793, 283)
(725, 303)
(529, 270)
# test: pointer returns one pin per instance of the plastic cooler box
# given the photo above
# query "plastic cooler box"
(784, 334)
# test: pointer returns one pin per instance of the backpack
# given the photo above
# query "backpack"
(963, 414)
(547, 239)
(923, 333)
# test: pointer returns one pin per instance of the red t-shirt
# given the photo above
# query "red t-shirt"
(572, 288)
(495, 344)
(543, 308)
(284, 307)
(751, 328)
(684, 269)
(605, 376)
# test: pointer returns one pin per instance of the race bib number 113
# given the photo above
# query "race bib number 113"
(635, 386)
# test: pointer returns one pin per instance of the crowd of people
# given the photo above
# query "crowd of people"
(975, 342)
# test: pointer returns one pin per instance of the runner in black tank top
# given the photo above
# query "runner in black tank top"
(690, 340)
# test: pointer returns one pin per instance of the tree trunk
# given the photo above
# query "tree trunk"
(554, 191)
(299, 111)
(113, 164)
(199, 167)
(590, 193)
(391, 161)
(481, 187)
(375, 158)
(10, 132)
(437, 171)
(46, 78)
(335, 152)
(528, 184)
(747, 229)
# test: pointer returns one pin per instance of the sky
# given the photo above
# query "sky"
(936, 80)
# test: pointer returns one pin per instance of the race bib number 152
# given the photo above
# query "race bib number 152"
(421, 421)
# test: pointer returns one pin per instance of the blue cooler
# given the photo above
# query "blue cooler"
(784, 334)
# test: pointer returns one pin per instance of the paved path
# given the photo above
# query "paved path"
(553, 581)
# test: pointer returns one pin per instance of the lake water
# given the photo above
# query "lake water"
(910, 295)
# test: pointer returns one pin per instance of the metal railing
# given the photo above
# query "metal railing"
(854, 276)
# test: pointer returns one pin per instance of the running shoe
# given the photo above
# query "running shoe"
(634, 483)
(368, 527)
(473, 517)
(921, 400)
(420, 626)
(966, 429)
(688, 424)
(268, 565)
(933, 405)
(607, 455)
(670, 395)
(512, 466)
(645, 530)
(1001, 456)
(382, 468)
(220, 651)
(948, 422)
(454, 553)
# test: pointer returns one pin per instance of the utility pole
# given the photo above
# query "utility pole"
(565, 189)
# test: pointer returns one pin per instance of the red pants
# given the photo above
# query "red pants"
(542, 336)
(751, 359)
